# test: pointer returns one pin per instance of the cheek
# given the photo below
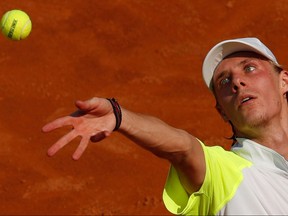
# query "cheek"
(269, 80)
(226, 106)
(270, 91)
(223, 97)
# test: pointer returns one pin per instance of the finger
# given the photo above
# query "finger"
(83, 105)
(81, 148)
(87, 105)
(61, 143)
(60, 122)
(99, 136)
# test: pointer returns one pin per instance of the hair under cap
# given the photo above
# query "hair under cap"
(227, 47)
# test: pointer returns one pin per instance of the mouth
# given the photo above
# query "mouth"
(244, 99)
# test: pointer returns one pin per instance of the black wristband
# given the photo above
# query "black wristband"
(117, 112)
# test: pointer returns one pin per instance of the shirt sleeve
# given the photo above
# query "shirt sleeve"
(222, 178)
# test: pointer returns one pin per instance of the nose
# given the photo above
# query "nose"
(237, 83)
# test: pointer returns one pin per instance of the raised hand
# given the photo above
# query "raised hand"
(94, 120)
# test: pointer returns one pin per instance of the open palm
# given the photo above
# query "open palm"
(94, 120)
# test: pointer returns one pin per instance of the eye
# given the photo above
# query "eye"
(224, 81)
(250, 68)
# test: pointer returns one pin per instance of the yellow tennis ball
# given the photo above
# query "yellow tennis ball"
(16, 24)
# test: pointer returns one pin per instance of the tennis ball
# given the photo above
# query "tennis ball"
(16, 24)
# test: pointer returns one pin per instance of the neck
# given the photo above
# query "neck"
(273, 134)
(277, 141)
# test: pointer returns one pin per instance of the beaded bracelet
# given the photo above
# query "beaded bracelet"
(117, 112)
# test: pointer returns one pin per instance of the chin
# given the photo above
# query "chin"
(252, 122)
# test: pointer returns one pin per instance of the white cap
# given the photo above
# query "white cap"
(227, 47)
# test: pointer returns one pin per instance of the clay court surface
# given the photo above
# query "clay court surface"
(145, 53)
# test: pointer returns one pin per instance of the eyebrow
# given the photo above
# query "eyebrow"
(245, 61)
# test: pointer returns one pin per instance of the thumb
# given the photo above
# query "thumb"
(83, 105)
(88, 105)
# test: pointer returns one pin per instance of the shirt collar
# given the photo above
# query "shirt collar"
(259, 154)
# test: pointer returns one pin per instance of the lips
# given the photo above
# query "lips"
(243, 99)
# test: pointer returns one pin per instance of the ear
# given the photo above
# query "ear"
(284, 81)
(221, 112)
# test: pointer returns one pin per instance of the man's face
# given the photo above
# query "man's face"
(248, 92)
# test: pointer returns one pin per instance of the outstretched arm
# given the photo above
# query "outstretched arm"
(95, 120)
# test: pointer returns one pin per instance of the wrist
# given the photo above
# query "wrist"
(117, 112)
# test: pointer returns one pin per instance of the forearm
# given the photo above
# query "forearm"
(179, 147)
(156, 136)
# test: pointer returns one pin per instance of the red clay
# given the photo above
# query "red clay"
(148, 55)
